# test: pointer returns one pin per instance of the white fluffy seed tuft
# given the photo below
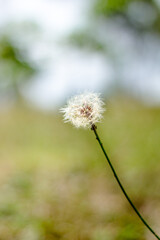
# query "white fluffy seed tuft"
(84, 110)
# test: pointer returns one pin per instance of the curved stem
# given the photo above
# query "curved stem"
(122, 188)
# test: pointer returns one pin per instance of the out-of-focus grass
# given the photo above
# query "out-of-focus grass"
(56, 184)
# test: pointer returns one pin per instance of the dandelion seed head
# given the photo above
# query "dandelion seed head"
(83, 110)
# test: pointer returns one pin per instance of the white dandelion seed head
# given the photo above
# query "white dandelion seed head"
(84, 110)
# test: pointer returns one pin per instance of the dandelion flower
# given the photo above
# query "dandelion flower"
(84, 110)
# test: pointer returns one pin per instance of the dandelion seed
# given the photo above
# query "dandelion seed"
(84, 110)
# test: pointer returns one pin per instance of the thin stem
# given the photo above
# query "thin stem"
(122, 188)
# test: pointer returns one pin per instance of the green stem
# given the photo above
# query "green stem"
(122, 188)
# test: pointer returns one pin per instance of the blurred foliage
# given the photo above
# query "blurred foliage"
(86, 39)
(103, 7)
(140, 8)
(15, 68)
(56, 184)
(141, 16)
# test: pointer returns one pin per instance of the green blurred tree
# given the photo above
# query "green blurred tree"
(141, 16)
(138, 17)
(141, 10)
(14, 67)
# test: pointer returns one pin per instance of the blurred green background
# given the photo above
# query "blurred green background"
(54, 180)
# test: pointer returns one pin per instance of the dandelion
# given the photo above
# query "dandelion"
(85, 110)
